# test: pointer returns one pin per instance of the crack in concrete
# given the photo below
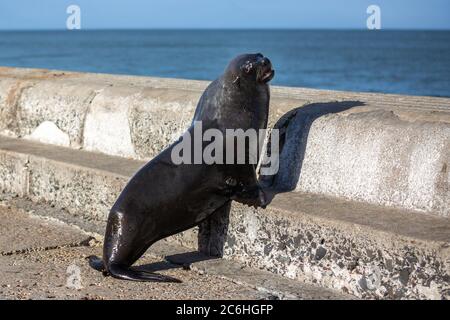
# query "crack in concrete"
(88, 101)
(88, 242)
(12, 101)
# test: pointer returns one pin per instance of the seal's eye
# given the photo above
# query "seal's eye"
(247, 67)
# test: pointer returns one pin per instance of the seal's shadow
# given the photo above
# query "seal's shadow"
(175, 261)
(294, 127)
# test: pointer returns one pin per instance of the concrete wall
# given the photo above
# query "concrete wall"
(383, 149)
(366, 250)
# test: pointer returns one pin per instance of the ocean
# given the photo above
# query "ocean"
(404, 62)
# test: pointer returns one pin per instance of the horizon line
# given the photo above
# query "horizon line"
(222, 29)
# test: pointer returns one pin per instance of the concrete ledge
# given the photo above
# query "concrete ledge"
(381, 149)
(361, 249)
(145, 115)
(380, 156)
(365, 250)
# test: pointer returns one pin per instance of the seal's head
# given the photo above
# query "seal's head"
(251, 67)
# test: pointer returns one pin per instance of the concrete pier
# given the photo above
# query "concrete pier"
(366, 187)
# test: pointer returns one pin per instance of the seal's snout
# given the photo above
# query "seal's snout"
(266, 73)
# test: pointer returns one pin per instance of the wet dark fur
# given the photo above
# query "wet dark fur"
(163, 199)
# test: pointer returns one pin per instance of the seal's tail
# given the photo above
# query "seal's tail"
(125, 273)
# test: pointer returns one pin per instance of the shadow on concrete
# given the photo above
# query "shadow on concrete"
(293, 138)
(181, 260)
(187, 258)
(156, 266)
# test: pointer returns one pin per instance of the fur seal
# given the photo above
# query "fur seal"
(164, 198)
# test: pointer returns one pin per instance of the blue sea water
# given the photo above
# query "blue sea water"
(406, 62)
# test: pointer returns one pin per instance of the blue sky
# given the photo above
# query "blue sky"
(142, 14)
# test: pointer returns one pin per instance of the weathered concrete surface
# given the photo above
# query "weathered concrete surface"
(389, 150)
(379, 157)
(360, 249)
(36, 254)
(44, 274)
(137, 122)
(39, 254)
(14, 177)
(65, 179)
(119, 116)
(264, 281)
(366, 250)
(21, 232)
(48, 132)
(49, 97)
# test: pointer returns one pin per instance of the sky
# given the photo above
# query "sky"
(176, 14)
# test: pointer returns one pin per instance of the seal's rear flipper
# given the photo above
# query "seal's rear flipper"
(125, 273)
(97, 264)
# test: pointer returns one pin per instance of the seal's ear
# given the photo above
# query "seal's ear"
(237, 81)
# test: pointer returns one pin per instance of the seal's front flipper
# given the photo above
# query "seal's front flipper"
(125, 273)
